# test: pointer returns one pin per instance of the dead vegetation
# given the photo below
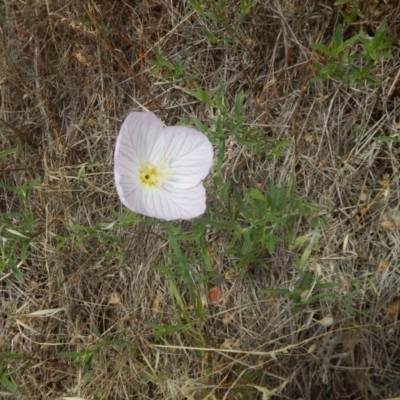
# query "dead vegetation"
(69, 72)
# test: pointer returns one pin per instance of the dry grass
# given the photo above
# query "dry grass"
(66, 84)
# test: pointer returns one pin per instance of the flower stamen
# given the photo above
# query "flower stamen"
(152, 176)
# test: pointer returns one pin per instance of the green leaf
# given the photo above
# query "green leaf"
(206, 258)
(97, 333)
(77, 354)
(317, 79)
(348, 43)
(385, 54)
(300, 240)
(9, 355)
(355, 310)
(276, 291)
(162, 330)
(246, 9)
(175, 246)
(340, 2)
(379, 42)
(221, 154)
(5, 153)
(210, 36)
(211, 15)
(320, 297)
(337, 40)
(322, 48)
(16, 271)
(220, 224)
(304, 258)
(270, 243)
(235, 128)
(196, 6)
(179, 300)
(239, 104)
(255, 194)
(225, 189)
(247, 241)
(328, 285)
(387, 139)
(246, 142)
(188, 236)
(218, 97)
(187, 277)
(240, 204)
(200, 94)
(199, 125)
(85, 21)
(372, 283)
(7, 383)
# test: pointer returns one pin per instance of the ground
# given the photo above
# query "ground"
(288, 286)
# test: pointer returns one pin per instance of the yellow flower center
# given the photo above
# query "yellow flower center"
(153, 176)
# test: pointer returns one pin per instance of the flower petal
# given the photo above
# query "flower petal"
(172, 203)
(141, 135)
(189, 154)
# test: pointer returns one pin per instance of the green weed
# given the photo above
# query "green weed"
(353, 60)
(258, 221)
(16, 227)
(351, 12)
(106, 234)
(173, 70)
(308, 289)
(92, 345)
(6, 369)
(393, 139)
(228, 14)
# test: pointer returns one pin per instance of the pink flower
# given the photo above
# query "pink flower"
(158, 170)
